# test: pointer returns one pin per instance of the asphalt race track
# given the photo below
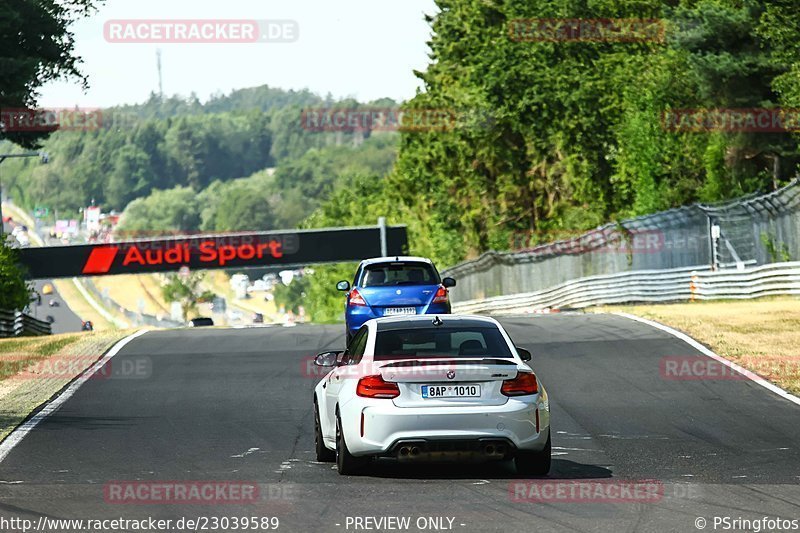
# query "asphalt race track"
(235, 405)
(65, 320)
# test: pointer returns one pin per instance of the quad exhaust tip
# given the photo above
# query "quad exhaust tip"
(406, 452)
(493, 450)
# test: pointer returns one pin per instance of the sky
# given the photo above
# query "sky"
(365, 49)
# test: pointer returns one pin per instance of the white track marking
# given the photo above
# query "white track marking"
(705, 351)
(20, 432)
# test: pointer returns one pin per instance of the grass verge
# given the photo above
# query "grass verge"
(133, 292)
(34, 369)
(762, 336)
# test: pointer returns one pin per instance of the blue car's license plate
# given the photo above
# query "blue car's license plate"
(391, 311)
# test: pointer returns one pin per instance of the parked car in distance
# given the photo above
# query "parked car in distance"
(201, 321)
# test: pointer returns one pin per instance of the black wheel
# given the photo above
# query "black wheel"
(324, 455)
(534, 463)
(346, 463)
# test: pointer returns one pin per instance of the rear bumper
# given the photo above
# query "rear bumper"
(480, 449)
(385, 426)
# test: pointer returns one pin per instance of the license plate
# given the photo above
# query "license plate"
(451, 391)
(400, 311)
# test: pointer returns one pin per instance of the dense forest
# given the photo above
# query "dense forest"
(169, 145)
(556, 134)
(577, 134)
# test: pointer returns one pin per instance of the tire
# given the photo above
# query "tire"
(347, 338)
(324, 455)
(534, 463)
(346, 463)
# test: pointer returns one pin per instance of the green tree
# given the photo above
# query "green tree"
(173, 210)
(187, 291)
(293, 295)
(243, 207)
(36, 47)
(15, 292)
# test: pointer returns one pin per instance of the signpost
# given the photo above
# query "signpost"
(203, 252)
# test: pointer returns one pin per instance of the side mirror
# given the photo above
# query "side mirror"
(524, 354)
(449, 282)
(327, 358)
(343, 286)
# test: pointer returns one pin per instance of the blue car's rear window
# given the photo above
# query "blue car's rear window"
(399, 273)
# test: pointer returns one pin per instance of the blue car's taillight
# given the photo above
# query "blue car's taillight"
(441, 295)
(356, 299)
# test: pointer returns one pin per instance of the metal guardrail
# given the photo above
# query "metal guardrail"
(756, 229)
(16, 324)
(679, 284)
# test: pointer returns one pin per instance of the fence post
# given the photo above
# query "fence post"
(713, 242)
(382, 226)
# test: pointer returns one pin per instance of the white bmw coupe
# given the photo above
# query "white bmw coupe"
(431, 388)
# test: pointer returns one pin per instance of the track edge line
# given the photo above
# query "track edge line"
(21, 431)
(707, 352)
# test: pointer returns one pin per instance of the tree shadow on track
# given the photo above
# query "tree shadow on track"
(561, 469)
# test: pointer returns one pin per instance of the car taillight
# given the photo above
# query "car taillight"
(521, 385)
(441, 295)
(356, 298)
(375, 387)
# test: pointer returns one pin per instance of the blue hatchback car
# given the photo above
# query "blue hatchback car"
(391, 286)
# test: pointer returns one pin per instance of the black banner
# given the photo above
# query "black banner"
(202, 252)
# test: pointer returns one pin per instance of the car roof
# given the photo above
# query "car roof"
(396, 258)
(424, 321)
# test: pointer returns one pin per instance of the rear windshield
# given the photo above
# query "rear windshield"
(441, 342)
(399, 273)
